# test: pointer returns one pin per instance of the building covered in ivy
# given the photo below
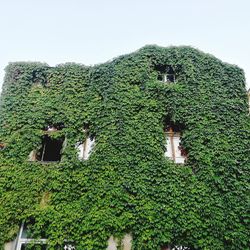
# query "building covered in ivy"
(147, 151)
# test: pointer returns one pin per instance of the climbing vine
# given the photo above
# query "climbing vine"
(127, 185)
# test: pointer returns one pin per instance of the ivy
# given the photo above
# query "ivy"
(127, 185)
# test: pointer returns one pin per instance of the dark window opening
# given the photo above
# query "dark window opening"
(51, 149)
(174, 127)
(86, 127)
(166, 73)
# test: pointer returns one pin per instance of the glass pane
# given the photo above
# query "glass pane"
(168, 152)
(89, 145)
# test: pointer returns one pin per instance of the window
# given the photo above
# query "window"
(85, 149)
(52, 146)
(51, 149)
(174, 150)
(24, 242)
(166, 73)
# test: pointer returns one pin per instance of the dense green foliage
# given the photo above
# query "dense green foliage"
(127, 185)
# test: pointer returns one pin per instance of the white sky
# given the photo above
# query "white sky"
(94, 31)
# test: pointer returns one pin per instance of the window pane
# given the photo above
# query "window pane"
(169, 152)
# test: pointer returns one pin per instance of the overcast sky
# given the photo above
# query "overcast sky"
(94, 31)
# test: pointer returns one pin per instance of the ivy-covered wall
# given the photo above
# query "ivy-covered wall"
(127, 185)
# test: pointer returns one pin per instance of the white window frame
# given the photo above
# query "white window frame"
(23, 241)
(165, 78)
(85, 149)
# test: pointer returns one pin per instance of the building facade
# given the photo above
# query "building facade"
(147, 151)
